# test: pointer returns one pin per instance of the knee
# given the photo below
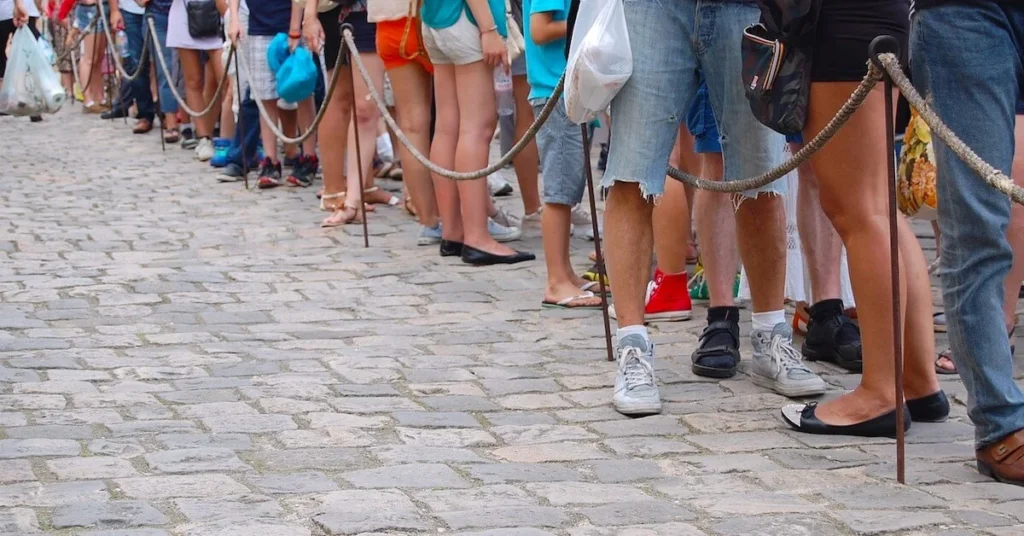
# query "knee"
(366, 113)
(415, 121)
(478, 129)
(193, 84)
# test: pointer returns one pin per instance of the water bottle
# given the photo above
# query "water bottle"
(122, 43)
(503, 92)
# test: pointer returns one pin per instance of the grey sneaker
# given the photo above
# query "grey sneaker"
(429, 235)
(636, 391)
(499, 187)
(582, 222)
(500, 233)
(779, 367)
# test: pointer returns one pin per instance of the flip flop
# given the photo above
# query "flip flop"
(595, 287)
(567, 303)
(942, 370)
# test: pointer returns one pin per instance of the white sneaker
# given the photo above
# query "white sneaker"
(533, 217)
(779, 367)
(506, 219)
(581, 220)
(636, 390)
(204, 151)
(499, 186)
(501, 233)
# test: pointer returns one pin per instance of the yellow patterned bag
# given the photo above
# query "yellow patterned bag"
(915, 181)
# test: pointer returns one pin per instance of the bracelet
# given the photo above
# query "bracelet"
(296, 35)
(489, 30)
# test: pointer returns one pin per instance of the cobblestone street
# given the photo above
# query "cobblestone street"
(182, 357)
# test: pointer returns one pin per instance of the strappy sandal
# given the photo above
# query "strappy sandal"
(410, 207)
(392, 201)
(327, 205)
(351, 215)
(172, 135)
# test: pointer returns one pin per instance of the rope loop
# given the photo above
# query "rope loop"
(214, 100)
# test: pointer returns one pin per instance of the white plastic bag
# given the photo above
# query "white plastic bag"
(600, 59)
(31, 86)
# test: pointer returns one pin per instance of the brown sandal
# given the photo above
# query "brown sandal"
(142, 126)
(351, 215)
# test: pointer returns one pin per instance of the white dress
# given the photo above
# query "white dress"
(177, 31)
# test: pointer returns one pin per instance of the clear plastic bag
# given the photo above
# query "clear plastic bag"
(31, 86)
(600, 59)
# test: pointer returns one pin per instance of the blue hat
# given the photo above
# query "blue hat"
(277, 52)
(296, 80)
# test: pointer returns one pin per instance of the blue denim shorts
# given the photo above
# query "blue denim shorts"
(647, 112)
(560, 142)
(85, 14)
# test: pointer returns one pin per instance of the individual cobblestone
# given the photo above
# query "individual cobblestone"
(182, 357)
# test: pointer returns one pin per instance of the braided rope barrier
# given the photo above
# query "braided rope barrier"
(214, 100)
(69, 53)
(115, 54)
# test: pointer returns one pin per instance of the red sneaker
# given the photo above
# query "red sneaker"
(668, 298)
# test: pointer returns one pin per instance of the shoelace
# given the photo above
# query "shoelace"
(783, 354)
(635, 369)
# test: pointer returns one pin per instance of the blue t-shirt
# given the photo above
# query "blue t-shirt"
(544, 63)
(441, 14)
(269, 17)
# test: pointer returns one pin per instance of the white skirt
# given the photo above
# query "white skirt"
(177, 31)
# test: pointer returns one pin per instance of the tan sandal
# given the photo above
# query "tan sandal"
(332, 202)
(351, 215)
(410, 207)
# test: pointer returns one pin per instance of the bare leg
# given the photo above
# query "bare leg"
(442, 151)
(192, 70)
(671, 219)
(411, 86)
(716, 233)
(306, 113)
(761, 227)
(525, 162)
(333, 137)
(1015, 234)
(630, 239)
(822, 248)
(562, 281)
(862, 222)
(366, 117)
(266, 135)
(290, 126)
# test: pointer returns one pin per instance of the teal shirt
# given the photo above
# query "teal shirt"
(440, 14)
(544, 63)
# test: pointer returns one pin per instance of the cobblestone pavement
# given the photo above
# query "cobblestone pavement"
(179, 356)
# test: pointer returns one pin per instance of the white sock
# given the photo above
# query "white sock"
(767, 320)
(640, 330)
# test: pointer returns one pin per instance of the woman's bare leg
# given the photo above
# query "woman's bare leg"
(478, 118)
(366, 117)
(192, 70)
(442, 151)
(860, 216)
(411, 86)
(333, 137)
(526, 162)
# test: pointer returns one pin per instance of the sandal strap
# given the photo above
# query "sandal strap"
(333, 196)
(371, 190)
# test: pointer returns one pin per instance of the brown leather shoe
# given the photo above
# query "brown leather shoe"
(1004, 459)
(142, 126)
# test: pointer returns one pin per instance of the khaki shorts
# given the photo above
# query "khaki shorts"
(458, 44)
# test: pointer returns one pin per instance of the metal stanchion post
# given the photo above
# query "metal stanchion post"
(881, 45)
(597, 242)
(359, 158)
(241, 130)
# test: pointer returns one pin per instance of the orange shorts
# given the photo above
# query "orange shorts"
(389, 44)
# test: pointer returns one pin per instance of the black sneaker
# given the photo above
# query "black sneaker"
(188, 139)
(304, 171)
(270, 174)
(232, 172)
(718, 354)
(602, 159)
(832, 336)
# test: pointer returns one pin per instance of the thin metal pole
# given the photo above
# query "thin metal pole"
(888, 44)
(597, 242)
(159, 103)
(355, 128)
(239, 126)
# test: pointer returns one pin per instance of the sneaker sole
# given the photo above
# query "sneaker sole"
(427, 241)
(788, 392)
(638, 409)
(510, 238)
(813, 355)
(670, 316)
(710, 372)
(504, 191)
(228, 179)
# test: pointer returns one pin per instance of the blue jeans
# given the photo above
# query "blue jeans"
(560, 142)
(136, 30)
(246, 142)
(966, 59)
(167, 103)
(705, 36)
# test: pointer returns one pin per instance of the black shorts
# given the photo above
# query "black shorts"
(845, 31)
(363, 32)
(7, 29)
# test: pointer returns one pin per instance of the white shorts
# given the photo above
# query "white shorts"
(458, 44)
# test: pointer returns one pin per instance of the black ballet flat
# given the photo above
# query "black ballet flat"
(478, 257)
(451, 248)
(931, 408)
(802, 419)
